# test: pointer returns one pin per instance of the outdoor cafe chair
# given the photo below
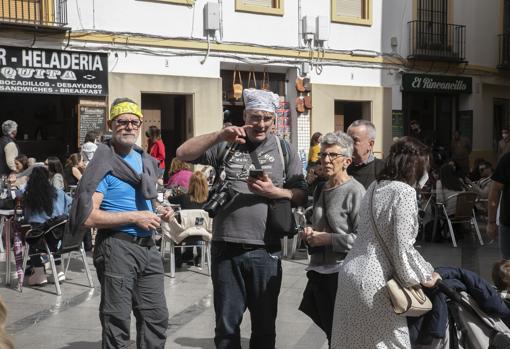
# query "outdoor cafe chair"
(464, 213)
(193, 223)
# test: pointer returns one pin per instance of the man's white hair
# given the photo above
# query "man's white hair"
(369, 127)
(8, 126)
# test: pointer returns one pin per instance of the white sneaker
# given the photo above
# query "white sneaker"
(60, 273)
(38, 277)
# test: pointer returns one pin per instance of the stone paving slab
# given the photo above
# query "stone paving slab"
(39, 319)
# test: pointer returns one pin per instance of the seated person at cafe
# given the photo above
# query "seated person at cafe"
(482, 186)
(449, 183)
(179, 174)
(195, 198)
(73, 169)
(42, 201)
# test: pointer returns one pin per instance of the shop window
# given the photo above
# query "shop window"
(267, 7)
(352, 11)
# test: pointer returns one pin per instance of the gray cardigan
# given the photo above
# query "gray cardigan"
(336, 212)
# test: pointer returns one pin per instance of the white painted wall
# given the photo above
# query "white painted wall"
(481, 18)
(171, 20)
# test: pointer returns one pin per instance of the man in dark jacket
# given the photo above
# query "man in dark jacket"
(365, 166)
(8, 148)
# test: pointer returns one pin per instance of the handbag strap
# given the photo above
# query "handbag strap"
(234, 77)
(379, 237)
(265, 78)
(251, 75)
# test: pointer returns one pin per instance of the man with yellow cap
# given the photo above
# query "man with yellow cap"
(117, 195)
(246, 267)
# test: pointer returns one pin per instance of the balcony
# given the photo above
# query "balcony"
(504, 51)
(43, 14)
(436, 41)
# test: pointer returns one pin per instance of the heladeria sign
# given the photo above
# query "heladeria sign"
(436, 83)
(41, 71)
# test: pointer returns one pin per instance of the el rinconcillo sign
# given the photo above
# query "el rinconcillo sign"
(436, 83)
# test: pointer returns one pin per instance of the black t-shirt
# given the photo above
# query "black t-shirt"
(502, 175)
(185, 203)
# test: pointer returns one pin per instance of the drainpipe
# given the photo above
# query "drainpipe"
(300, 31)
(220, 3)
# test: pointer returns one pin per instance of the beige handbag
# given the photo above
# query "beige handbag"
(406, 301)
(237, 87)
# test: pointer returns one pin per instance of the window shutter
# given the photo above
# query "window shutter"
(350, 8)
(259, 3)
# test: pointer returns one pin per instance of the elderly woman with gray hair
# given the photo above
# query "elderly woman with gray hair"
(8, 148)
(333, 230)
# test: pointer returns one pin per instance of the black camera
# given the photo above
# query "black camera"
(220, 195)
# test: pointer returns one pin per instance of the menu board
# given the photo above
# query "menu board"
(90, 118)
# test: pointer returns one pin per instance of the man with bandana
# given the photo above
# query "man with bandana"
(246, 267)
(117, 195)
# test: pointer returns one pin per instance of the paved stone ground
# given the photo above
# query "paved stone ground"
(37, 318)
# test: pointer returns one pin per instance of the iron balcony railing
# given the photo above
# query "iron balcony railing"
(47, 13)
(437, 41)
(504, 51)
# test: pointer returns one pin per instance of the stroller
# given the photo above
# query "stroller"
(468, 326)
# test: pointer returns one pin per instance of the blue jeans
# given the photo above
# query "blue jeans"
(504, 241)
(245, 276)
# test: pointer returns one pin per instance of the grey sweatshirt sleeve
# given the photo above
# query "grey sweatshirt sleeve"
(346, 226)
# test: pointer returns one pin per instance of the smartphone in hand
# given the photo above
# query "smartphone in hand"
(256, 173)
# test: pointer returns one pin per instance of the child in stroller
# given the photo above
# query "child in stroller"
(466, 314)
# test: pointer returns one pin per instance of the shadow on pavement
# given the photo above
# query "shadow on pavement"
(204, 343)
(83, 345)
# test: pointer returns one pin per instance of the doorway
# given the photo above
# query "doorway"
(172, 113)
(501, 119)
(346, 112)
(47, 124)
(436, 114)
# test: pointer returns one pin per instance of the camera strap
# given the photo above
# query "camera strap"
(226, 155)
(255, 159)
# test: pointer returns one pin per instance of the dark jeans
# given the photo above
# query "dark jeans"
(504, 241)
(319, 300)
(35, 259)
(131, 278)
(244, 276)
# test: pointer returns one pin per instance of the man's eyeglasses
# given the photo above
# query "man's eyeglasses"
(480, 169)
(135, 123)
(257, 118)
(332, 156)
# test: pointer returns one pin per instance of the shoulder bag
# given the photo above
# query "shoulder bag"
(407, 301)
(280, 219)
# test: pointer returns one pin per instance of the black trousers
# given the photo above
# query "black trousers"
(131, 278)
(319, 300)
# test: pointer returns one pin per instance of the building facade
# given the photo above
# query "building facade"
(331, 61)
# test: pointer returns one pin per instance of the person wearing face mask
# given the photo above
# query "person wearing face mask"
(333, 230)
(246, 268)
(365, 166)
(388, 216)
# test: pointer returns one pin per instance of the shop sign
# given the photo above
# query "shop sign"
(41, 71)
(436, 83)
